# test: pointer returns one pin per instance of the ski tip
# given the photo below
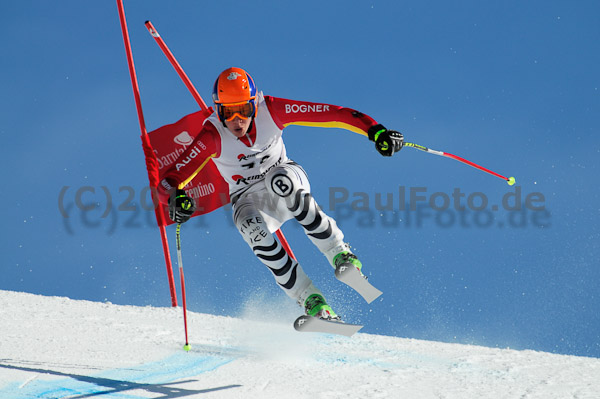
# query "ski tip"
(371, 298)
(355, 280)
(315, 325)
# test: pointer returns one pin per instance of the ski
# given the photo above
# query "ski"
(352, 277)
(313, 324)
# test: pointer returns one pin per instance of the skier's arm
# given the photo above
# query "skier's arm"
(204, 147)
(290, 112)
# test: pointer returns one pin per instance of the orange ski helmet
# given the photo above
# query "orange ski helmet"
(234, 86)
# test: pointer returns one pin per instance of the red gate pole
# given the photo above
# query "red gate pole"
(188, 83)
(138, 104)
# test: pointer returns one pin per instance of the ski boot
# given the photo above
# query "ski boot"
(316, 306)
(347, 258)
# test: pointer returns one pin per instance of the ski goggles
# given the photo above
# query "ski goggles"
(243, 111)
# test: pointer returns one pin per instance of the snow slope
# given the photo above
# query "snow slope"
(53, 347)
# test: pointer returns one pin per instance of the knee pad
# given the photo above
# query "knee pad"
(286, 179)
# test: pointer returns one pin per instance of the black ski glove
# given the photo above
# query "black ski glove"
(387, 142)
(181, 207)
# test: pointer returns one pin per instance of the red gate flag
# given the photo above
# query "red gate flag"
(164, 145)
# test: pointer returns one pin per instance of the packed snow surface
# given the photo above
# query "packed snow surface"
(54, 347)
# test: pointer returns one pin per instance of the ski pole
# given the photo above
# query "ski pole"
(187, 345)
(509, 180)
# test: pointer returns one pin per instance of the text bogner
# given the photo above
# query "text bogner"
(295, 108)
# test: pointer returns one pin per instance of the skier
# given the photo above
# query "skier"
(243, 137)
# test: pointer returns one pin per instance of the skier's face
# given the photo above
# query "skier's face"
(238, 126)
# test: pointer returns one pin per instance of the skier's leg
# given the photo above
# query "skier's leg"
(290, 182)
(287, 272)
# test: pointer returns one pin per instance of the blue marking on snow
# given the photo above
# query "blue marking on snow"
(390, 360)
(379, 357)
(157, 377)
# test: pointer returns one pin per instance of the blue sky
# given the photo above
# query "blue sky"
(511, 85)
